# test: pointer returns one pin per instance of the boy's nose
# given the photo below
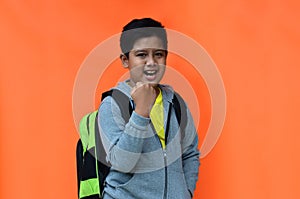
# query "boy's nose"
(150, 61)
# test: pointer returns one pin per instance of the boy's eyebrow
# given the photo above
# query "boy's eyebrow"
(145, 49)
(138, 50)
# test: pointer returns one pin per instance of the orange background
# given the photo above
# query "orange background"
(255, 45)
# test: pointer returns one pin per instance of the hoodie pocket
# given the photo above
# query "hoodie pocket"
(125, 184)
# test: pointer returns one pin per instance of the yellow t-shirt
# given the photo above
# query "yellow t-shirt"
(157, 118)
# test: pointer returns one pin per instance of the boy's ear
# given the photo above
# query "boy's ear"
(124, 60)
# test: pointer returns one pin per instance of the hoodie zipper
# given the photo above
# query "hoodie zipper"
(166, 172)
(165, 165)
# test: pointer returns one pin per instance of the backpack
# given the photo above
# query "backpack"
(92, 167)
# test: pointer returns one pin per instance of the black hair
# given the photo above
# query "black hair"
(139, 28)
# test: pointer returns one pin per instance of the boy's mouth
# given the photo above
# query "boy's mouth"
(150, 72)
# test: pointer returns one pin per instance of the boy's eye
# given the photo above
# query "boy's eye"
(159, 54)
(141, 55)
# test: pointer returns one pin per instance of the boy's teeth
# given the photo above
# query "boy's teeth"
(150, 72)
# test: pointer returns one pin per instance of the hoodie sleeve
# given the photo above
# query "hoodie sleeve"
(190, 156)
(123, 143)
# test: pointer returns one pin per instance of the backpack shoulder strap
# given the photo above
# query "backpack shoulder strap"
(181, 112)
(123, 102)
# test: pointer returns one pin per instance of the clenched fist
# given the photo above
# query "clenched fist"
(144, 95)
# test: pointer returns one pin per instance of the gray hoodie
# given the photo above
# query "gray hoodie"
(140, 167)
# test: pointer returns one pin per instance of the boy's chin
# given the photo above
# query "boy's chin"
(154, 83)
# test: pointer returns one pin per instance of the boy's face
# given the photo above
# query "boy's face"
(147, 61)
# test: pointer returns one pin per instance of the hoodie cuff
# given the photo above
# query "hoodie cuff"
(139, 121)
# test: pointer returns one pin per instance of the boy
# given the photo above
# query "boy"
(149, 158)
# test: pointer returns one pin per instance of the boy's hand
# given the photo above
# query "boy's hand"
(143, 95)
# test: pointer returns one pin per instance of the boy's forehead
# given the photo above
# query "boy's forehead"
(152, 42)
